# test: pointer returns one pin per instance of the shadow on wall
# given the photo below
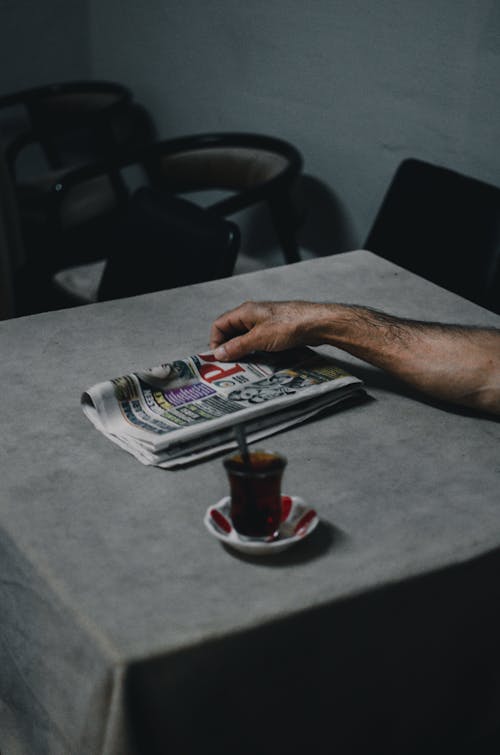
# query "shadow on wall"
(327, 228)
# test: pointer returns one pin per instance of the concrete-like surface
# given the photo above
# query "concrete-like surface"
(104, 561)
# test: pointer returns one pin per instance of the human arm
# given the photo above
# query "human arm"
(454, 363)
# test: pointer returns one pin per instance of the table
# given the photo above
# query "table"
(124, 628)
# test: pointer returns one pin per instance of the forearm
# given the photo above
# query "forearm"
(458, 364)
(450, 362)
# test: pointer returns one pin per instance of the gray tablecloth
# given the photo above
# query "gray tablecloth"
(125, 628)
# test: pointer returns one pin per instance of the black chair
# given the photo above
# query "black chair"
(445, 227)
(46, 132)
(86, 203)
(154, 241)
(253, 168)
(72, 123)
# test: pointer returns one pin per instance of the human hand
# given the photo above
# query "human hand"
(264, 326)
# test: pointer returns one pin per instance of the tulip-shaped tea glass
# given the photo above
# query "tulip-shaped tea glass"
(255, 487)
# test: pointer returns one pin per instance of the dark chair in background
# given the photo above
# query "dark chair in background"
(72, 124)
(253, 168)
(62, 126)
(46, 131)
(86, 206)
(445, 227)
(155, 241)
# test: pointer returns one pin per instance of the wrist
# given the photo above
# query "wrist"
(333, 324)
(364, 332)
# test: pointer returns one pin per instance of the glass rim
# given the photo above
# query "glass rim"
(243, 471)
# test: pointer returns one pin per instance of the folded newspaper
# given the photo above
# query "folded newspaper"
(185, 410)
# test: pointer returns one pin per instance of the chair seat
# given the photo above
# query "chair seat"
(156, 241)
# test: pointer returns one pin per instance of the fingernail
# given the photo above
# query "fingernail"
(220, 352)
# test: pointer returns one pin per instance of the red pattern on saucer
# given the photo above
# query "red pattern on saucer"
(297, 521)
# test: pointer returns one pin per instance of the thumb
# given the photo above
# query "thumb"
(236, 348)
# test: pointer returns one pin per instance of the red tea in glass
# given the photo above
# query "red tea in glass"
(256, 492)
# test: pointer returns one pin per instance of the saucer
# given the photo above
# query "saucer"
(297, 521)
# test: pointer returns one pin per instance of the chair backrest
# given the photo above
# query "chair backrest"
(254, 166)
(443, 226)
(160, 241)
(79, 122)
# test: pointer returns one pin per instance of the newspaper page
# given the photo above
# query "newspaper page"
(182, 411)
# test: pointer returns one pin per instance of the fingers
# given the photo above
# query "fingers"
(218, 335)
(222, 329)
(232, 323)
(259, 326)
(236, 348)
(240, 346)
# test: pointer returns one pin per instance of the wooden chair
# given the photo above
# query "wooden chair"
(154, 241)
(85, 203)
(253, 168)
(71, 123)
(46, 132)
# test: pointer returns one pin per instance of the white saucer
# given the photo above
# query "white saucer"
(297, 521)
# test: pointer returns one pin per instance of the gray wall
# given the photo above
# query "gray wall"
(43, 41)
(357, 85)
